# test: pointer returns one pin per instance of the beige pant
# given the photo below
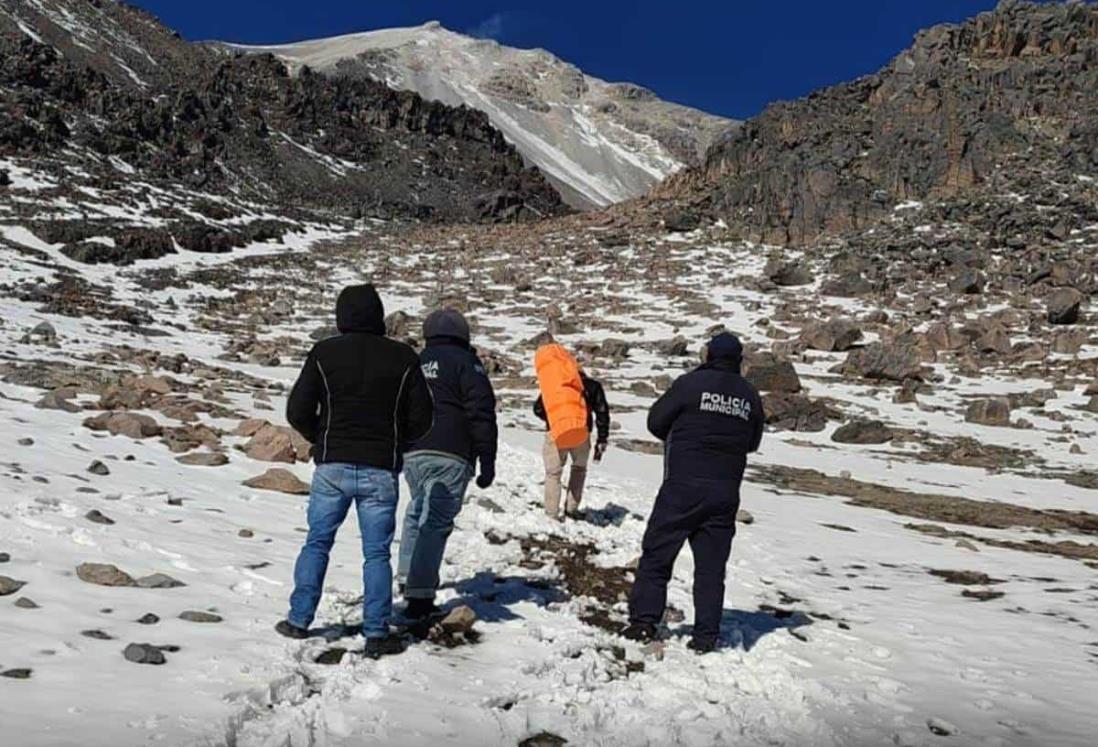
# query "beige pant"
(554, 467)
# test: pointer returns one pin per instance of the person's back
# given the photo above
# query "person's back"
(710, 420)
(360, 399)
(439, 466)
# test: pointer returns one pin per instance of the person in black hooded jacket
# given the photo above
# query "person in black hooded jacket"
(440, 465)
(709, 420)
(361, 400)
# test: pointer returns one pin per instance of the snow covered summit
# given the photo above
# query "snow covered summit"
(598, 142)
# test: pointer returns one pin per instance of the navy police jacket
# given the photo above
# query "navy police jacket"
(710, 420)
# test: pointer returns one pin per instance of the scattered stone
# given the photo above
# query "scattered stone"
(993, 412)
(5, 557)
(769, 373)
(272, 443)
(132, 425)
(245, 533)
(966, 545)
(982, 595)
(144, 653)
(331, 656)
(10, 585)
(544, 739)
(58, 400)
(196, 616)
(159, 581)
(863, 432)
(203, 459)
(26, 603)
(681, 221)
(26, 442)
(98, 468)
(459, 620)
(1092, 404)
(103, 574)
(43, 332)
(833, 336)
(744, 516)
(788, 274)
(965, 578)
(279, 480)
(968, 281)
(940, 727)
(95, 516)
(489, 505)
(173, 501)
(887, 361)
(17, 674)
(148, 619)
(1063, 306)
(676, 346)
(98, 635)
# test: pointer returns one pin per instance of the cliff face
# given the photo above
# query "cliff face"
(100, 80)
(1002, 103)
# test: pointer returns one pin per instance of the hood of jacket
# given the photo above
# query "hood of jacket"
(443, 323)
(359, 309)
(724, 351)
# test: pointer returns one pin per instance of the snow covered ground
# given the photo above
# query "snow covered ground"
(835, 631)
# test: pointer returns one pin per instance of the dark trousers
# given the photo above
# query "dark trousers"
(702, 513)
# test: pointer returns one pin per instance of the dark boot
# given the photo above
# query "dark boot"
(702, 645)
(378, 647)
(419, 609)
(285, 628)
(638, 631)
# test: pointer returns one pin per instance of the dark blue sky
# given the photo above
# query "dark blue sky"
(729, 57)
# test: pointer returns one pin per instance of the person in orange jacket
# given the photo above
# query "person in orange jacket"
(598, 414)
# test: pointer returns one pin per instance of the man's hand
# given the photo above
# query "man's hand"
(600, 449)
(487, 476)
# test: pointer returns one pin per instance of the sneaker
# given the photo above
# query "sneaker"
(638, 631)
(289, 630)
(378, 647)
(702, 645)
(418, 609)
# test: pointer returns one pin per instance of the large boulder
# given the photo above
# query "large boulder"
(863, 432)
(832, 336)
(850, 285)
(788, 274)
(944, 336)
(273, 443)
(994, 411)
(796, 412)
(769, 373)
(133, 425)
(1063, 306)
(884, 361)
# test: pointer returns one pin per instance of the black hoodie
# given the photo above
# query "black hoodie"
(361, 397)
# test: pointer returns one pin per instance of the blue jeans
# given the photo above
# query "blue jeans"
(438, 484)
(375, 493)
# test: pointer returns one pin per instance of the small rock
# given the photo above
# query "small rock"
(10, 585)
(159, 581)
(5, 557)
(459, 620)
(489, 505)
(144, 653)
(148, 619)
(132, 425)
(1063, 306)
(26, 442)
(42, 332)
(940, 727)
(56, 401)
(245, 533)
(103, 574)
(98, 468)
(95, 516)
(279, 480)
(203, 459)
(863, 432)
(196, 616)
(331, 656)
(16, 674)
(744, 516)
(175, 501)
(966, 545)
(26, 603)
(835, 335)
(993, 412)
(98, 635)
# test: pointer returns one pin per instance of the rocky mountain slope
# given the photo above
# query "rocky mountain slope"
(598, 142)
(992, 121)
(103, 88)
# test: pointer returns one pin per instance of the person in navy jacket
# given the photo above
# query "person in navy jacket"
(709, 420)
(439, 466)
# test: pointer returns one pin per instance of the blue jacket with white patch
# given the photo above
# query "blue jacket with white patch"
(710, 420)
